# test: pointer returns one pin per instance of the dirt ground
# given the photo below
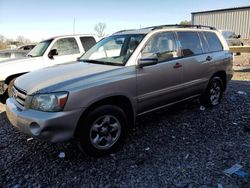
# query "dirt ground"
(182, 146)
(242, 67)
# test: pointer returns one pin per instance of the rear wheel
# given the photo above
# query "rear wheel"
(102, 131)
(10, 87)
(213, 93)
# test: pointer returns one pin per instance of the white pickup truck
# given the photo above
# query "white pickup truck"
(50, 52)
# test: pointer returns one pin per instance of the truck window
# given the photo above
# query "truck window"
(40, 48)
(213, 42)
(190, 43)
(87, 42)
(66, 46)
(162, 45)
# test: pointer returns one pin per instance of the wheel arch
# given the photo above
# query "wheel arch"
(223, 76)
(119, 100)
(11, 77)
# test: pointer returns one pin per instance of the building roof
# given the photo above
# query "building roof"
(219, 10)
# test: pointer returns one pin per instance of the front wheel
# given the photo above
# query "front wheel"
(102, 131)
(213, 93)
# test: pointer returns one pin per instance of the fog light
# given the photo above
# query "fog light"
(35, 129)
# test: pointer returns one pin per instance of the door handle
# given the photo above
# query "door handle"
(209, 58)
(177, 65)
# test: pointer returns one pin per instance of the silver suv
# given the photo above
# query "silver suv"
(123, 76)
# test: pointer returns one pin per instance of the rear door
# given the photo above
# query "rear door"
(195, 60)
(159, 84)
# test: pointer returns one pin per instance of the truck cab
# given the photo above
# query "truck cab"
(49, 52)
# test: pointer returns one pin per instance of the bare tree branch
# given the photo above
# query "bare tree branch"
(99, 28)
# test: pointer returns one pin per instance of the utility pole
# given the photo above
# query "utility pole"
(74, 25)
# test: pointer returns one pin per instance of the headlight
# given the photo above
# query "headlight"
(52, 102)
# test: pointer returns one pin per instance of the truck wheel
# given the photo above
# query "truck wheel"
(10, 87)
(213, 93)
(102, 131)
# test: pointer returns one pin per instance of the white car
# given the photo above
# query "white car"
(50, 52)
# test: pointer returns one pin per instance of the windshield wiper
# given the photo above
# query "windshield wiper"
(30, 55)
(99, 62)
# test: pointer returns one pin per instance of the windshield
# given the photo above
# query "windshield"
(113, 50)
(228, 34)
(40, 48)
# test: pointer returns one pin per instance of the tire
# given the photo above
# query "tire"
(10, 86)
(213, 93)
(102, 131)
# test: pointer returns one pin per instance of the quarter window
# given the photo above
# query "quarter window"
(162, 45)
(213, 42)
(67, 46)
(190, 43)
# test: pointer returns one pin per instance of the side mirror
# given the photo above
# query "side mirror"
(143, 62)
(52, 53)
(238, 36)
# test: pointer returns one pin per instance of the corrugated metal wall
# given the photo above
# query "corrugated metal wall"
(236, 20)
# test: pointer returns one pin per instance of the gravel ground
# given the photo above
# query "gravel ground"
(182, 146)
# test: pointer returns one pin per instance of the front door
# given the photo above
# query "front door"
(159, 84)
(67, 49)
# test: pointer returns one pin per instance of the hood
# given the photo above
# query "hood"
(61, 77)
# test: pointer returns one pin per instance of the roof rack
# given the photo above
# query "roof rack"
(181, 26)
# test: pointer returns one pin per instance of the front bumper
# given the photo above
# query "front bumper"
(49, 126)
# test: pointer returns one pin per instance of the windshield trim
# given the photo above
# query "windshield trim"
(100, 62)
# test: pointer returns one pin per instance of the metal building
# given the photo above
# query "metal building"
(234, 19)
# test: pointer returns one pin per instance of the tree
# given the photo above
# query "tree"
(99, 28)
(186, 22)
(2, 38)
(3, 44)
(22, 40)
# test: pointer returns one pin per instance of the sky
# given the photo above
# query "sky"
(41, 19)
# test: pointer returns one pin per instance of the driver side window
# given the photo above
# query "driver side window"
(163, 46)
(66, 46)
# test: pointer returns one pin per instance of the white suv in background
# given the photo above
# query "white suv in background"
(50, 52)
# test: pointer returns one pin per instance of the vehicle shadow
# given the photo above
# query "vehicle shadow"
(3, 98)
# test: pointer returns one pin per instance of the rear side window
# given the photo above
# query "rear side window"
(87, 42)
(214, 44)
(190, 43)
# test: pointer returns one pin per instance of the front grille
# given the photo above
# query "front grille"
(19, 95)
